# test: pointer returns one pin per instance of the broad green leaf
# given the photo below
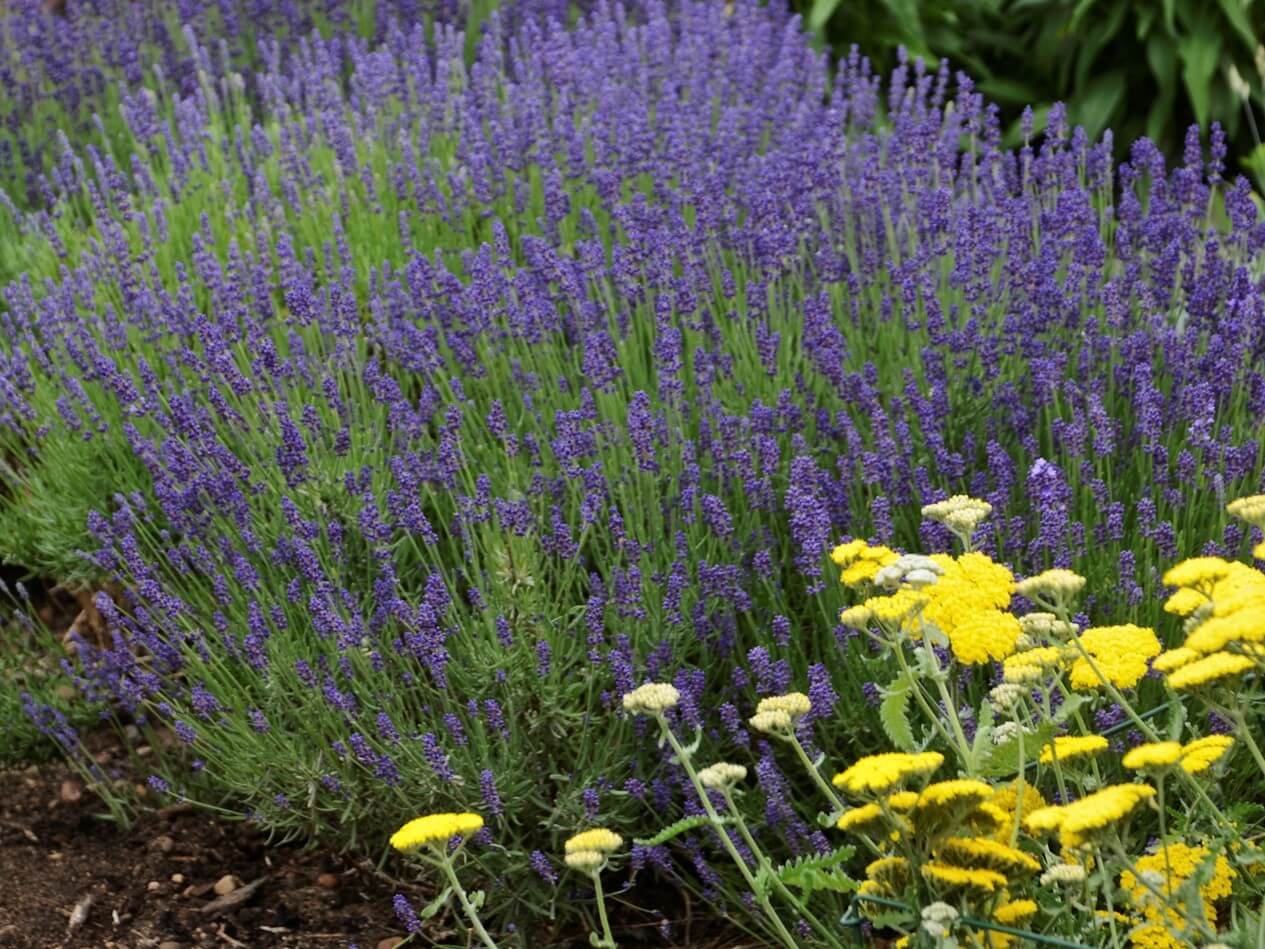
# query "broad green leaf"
(1199, 52)
(821, 11)
(1008, 90)
(1236, 12)
(1004, 761)
(893, 713)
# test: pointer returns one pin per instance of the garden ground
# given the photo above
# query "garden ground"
(154, 884)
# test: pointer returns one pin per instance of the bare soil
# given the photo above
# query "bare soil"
(72, 880)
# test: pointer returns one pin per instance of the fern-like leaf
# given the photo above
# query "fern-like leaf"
(818, 872)
(683, 826)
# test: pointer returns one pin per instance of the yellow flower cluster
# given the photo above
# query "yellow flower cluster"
(1079, 822)
(588, 851)
(1119, 653)
(435, 829)
(878, 774)
(972, 588)
(987, 636)
(861, 562)
(598, 839)
(1066, 747)
(1167, 870)
(1224, 606)
(1194, 757)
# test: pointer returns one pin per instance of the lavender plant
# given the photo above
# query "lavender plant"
(425, 396)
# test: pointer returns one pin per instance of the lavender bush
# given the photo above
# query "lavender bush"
(424, 396)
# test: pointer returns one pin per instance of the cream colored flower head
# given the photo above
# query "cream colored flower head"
(1046, 626)
(794, 704)
(915, 570)
(653, 698)
(722, 775)
(1056, 586)
(772, 722)
(586, 861)
(1066, 873)
(1250, 509)
(960, 513)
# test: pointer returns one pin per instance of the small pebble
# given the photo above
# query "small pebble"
(163, 844)
(71, 791)
(170, 944)
(154, 886)
(177, 878)
(328, 881)
(390, 942)
(225, 885)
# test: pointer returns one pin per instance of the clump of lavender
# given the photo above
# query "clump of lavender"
(443, 401)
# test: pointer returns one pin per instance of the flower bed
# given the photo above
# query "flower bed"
(426, 397)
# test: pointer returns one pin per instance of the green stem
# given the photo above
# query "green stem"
(767, 866)
(608, 940)
(778, 926)
(821, 782)
(445, 864)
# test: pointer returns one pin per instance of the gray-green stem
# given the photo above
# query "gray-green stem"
(774, 920)
(445, 863)
(821, 782)
(608, 939)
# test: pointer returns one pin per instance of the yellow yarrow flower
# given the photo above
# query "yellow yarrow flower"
(435, 829)
(598, 839)
(1169, 868)
(1152, 755)
(1184, 602)
(1080, 820)
(877, 774)
(948, 876)
(1209, 670)
(1197, 572)
(1065, 747)
(1259, 551)
(858, 617)
(1214, 634)
(1006, 800)
(1250, 509)
(844, 554)
(1014, 912)
(1032, 663)
(988, 819)
(987, 636)
(891, 872)
(896, 608)
(1119, 652)
(971, 584)
(989, 854)
(1202, 753)
(1172, 659)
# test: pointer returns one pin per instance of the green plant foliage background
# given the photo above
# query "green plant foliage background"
(1137, 67)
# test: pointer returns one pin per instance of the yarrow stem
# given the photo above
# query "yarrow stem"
(444, 861)
(684, 758)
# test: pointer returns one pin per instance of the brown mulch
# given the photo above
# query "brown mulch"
(71, 880)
